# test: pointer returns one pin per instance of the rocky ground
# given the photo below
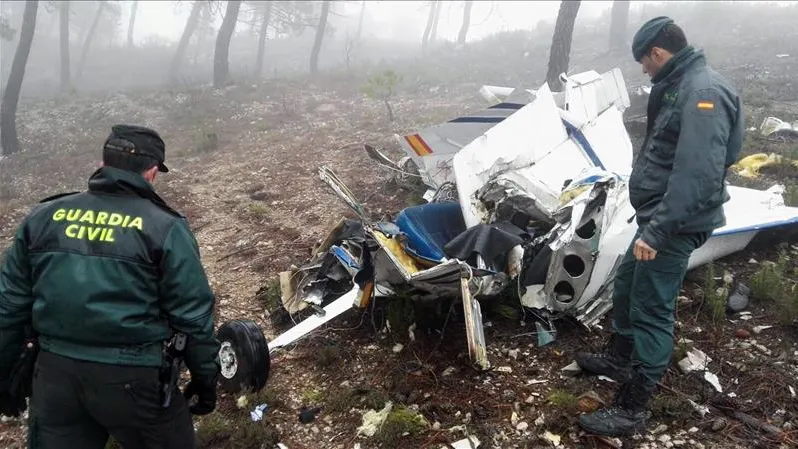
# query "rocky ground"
(244, 170)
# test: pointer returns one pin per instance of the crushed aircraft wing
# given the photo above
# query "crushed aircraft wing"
(432, 149)
(541, 150)
(553, 167)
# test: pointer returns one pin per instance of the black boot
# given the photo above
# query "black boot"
(626, 415)
(614, 363)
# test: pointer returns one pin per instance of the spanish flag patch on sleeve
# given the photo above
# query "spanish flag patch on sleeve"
(705, 105)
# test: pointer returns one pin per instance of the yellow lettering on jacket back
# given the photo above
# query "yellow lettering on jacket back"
(95, 226)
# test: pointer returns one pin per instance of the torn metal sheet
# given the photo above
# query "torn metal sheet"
(588, 94)
(477, 350)
(506, 197)
(343, 192)
(312, 323)
(335, 262)
(776, 128)
(432, 148)
(540, 147)
(695, 360)
(553, 164)
(498, 94)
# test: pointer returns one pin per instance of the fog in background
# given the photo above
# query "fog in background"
(506, 42)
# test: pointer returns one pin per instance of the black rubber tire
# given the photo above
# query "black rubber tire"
(251, 351)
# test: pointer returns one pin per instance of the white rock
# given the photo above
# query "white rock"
(659, 429)
(727, 278)
(664, 438)
(522, 426)
(513, 353)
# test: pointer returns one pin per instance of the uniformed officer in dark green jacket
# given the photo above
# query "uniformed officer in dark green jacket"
(677, 187)
(104, 278)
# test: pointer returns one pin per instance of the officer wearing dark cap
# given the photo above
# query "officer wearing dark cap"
(99, 282)
(677, 187)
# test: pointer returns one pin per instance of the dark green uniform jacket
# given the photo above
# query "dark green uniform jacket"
(694, 133)
(105, 276)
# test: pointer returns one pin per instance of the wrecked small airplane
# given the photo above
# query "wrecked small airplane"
(529, 194)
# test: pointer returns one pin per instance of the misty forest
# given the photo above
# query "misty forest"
(252, 97)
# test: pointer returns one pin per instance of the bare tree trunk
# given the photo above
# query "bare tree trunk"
(50, 27)
(360, 22)
(8, 109)
(314, 55)
(434, 31)
(348, 48)
(64, 40)
(191, 25)
(267, 13)
(221, 63)
(132, 23)
(466, 22)
(202, 33)
(560, 53)
(428, 29)
(391, 116)
(619, 21)
(89, 37)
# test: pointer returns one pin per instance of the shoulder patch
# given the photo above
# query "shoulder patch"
(55, 197)
(704, 102)
(705, 105)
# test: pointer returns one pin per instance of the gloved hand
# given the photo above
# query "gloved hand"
(206, 397)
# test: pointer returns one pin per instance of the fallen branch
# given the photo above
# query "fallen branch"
(751, 421)
(200, 226)
(736, 414)
(238, 251)
(608, 441)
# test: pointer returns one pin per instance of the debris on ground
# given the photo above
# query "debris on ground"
(776, 128)
(252, 229)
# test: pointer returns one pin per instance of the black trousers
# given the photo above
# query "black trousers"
(77, 405)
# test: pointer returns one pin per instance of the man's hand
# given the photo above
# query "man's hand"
(206, 397)
(643, 251)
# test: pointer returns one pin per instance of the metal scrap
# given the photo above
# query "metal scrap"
(555, 165)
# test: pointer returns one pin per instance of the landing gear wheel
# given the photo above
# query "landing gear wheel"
(244, 357)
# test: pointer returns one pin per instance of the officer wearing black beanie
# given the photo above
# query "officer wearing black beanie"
(694, 133)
